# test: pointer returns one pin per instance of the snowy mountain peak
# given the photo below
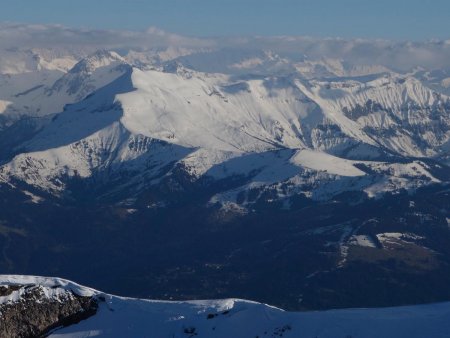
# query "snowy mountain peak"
(100, 58)
(176, 67)
(91, 73)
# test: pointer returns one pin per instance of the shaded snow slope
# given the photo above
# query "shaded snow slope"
(324, 162)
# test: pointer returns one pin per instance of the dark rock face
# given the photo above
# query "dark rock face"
(38, 310)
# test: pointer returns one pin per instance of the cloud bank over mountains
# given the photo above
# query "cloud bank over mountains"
(397, 55)
(55, 36)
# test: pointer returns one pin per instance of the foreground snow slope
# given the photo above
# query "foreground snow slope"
(126, 317)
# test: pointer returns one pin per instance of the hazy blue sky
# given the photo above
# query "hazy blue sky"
(394, 19)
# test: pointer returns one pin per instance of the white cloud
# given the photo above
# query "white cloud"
(397, 55)
(393, 54)
(56, 36)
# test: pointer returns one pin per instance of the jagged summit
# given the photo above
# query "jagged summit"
(176, 67)
(100, 58)
(91, 73)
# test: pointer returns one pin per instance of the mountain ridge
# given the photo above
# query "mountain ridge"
(206, 114)
(115, 316)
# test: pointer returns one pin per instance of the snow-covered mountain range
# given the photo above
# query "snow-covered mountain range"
(72, 310)
(282, 131)
(316, 169)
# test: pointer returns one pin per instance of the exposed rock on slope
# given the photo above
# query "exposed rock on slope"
(33, 310)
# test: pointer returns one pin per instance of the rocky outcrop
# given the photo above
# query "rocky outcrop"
(34, 310)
